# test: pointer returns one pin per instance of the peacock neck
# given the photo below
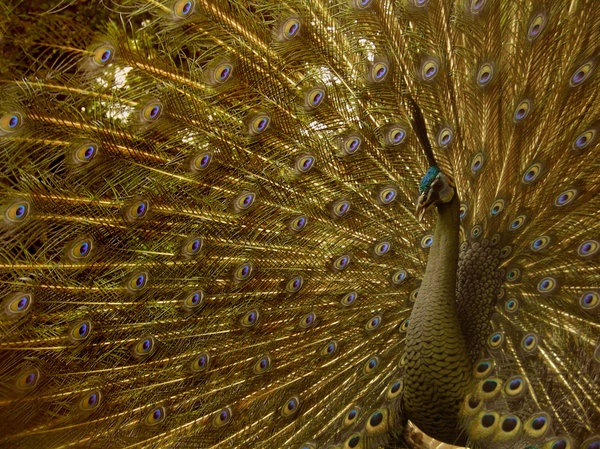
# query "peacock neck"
(437, 365)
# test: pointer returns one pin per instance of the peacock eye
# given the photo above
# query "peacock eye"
(362, 4)
(290, 28)
(262, 365)
(221, 73)
(371, 365)
(80, 249)
(495, 340)
(17, 304)
(476, 231)
(136, 210)
(350, 144)
(193, 300)
(532, 173)
(144, 347)
(477, 162)
(395, 135)
(373, 323)
(244, 201)
(588, 248)
(351, 415)
(259, 123)
(191, 246)
(517, 223)
(314, 97)
(522, 110)
(151, 111)
(375, 420)
(512, 305)
(349, 298)
(387, 195)
(250, 318)
(399, 277)
(308, 320)
(223, 417)
(341, 263)
(155, 416)
(536, 26)
(429, 70)
(540, 243)
(304, 163)
(290, 407)
(103, 54)
(477, 6)
(137, 281)
(17, 211)
(295, 284)
(183, 8)
(382, 248)
(27, 379)
(395, 389)
(379, 71)
(90, 401)
(200, 363)
(547, 285)
(589, 300)
(581, 74)
(243, 272)
(10, 122)
(80, 331)
(426, 241)
(497, 207)
(444, 136)
(329, 348)
(340, 208)
(201, 162)
(584, 139)
(84, 153)
(298, 223)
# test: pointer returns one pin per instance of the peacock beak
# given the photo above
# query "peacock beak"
(423, 204)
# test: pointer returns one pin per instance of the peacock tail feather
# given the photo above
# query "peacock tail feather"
(208, 228)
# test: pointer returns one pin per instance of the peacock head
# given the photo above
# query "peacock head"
(435, 188)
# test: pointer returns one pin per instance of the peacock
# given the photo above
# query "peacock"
(300, 224)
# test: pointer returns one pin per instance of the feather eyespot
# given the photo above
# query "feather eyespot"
(426, 241)
(90, 401)
(349, 298)
(352, 441)
(497, 207)
(17, 304)
(295, 284)
(511, 305)
(84, 153)
(330, 348)
(464, 209)
(80, 331)
(495, 340)
(540, 243)
(395, 135)
(532, 173)
(350, 144)
(477, 162)
(404, 325)
(517, 223)
(510, 426)
(371, 365)
(505, 251)
(381, 248)
(495, 239)
(290, 407)
(591, 443)
(377, 421)
(17, 212)
(399, 277)
(290, 29)
(298, 223)
(378, 71)
(341, 263)
(559, 443)
(200, 363)
(477, 6)
(193, 300)
(536, 26)
(373, 323)
(476, 231)
(589, 300)
(351, 416)
(566, 197)
(220, 72)
(144, 347)
(80, 249)
(582, 73)
(362, 4)
(222, 417)
(489, 388)
(589, 248)
(537, 425)
(429, 69)
(340, 208)
(304, 163)
(308, 320)
(515, 386)
(413, 295)
(513, 275)
(137, 282)
(155, 416)
(151, 111)
(103, 54)
(250, 318)
(244, 201)
(584, 139)
(485, 74)
(10, 122)
(192, 246)
(420, 3)
(529, 342)
(136, 210)
(201, 161)
(314, 97)
(547, 285)
(522, 111)
(387, 195)
(483, 368)
(258, 123)
(262, 365)
(27, 379)
(395, 389)
(444, 136)
(183, 8)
